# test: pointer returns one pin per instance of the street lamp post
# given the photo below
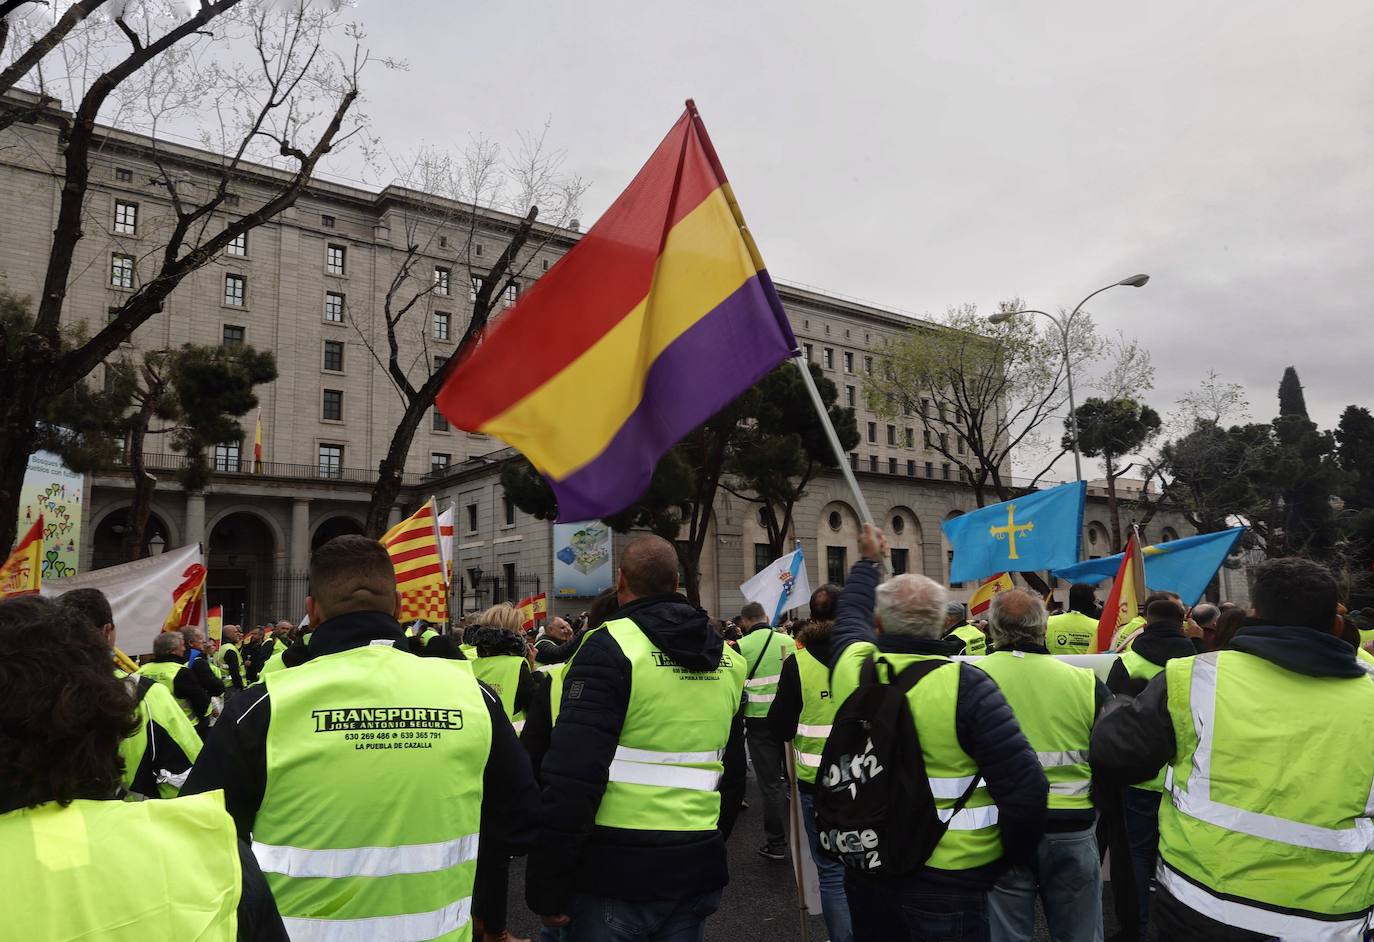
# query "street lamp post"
(1065, 324)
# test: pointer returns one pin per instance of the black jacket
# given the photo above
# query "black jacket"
(549, 651)
(200, 670)
(233, 669)
(235, 756)
(1134, 737)
(162, 751)
(574, 854)
(186, 687)
(1160, 642)
(984, 724)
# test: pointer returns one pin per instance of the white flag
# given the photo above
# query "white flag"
(781, 585)
(446, 542)
(140, 594)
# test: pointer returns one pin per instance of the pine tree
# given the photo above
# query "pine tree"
(1291, 401)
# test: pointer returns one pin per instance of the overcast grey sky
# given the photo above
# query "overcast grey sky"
(921, 155)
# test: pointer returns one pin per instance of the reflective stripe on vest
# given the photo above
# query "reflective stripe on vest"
(1255, 822)
(1055, 705)
(1138, 668)
(386, 723)
(668, 760)
(1267, 922)
(818, 710)
(119, 871)
(973, 838)
(766, 648)
(555, 674)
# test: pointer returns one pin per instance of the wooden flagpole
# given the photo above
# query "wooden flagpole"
(794, 813)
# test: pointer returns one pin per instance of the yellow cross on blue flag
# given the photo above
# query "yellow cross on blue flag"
(1038, 531)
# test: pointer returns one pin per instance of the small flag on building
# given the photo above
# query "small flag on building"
(981, 600)
(214, 623)
(257, 445)
(414, 547)
(22, 572)
(1128, 592)
(665, 301)
(446, 543)
(780, 585)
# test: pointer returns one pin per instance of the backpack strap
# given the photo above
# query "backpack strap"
(908, 679)
(762, 651)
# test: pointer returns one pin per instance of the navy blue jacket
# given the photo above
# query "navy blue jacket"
(984, 724)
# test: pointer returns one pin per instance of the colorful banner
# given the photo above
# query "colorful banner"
(55, 492)
(581, 559)
(22, 572)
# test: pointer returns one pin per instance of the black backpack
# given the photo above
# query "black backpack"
(874, 809)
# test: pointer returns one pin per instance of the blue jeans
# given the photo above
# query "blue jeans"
(1142, 830)
(910, 910)
(831, 874)
(602, 919)
(1068, 876)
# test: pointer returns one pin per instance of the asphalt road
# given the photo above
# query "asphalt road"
(759, 905)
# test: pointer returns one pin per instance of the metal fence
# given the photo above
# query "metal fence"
(244, 468)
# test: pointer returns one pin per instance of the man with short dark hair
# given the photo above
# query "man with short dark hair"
(823, 602)
(644, 768)
(1269, 749)
(308, 758)
(764, 651)
(1205, 616)
(1075, 631)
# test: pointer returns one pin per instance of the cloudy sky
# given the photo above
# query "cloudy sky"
(921, 155)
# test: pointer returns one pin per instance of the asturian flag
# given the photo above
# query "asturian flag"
(1039, 530)
(780, 585)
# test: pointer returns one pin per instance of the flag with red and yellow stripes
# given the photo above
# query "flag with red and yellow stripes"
(981, 599)
(22, 572)
(414, 547)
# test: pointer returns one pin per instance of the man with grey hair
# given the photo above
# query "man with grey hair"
(1056, 705)
(169, 669)
(198, 662)
(968, 736)
(1205, 616)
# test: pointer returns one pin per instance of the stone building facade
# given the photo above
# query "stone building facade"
(309, 286)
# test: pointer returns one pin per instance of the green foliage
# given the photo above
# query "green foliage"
(1113, 429)
(1291, 400)
(1215, 474)
(211, 388)
(1355, 455)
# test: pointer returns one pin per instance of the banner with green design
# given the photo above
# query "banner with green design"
(57, 492)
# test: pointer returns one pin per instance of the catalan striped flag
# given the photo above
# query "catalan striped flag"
(981, 600)
(414, 547)
(22, 572)
(658, 317)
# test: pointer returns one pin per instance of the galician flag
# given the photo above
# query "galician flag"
(780, 585)
(1040, 530)
(22, 573)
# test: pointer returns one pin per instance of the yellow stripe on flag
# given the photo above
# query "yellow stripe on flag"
(414, 548)
(22, 572)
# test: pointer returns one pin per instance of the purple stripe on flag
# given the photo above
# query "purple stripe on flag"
(698, 374)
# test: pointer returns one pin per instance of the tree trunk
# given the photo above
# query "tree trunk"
(392, 468)
(16, 444)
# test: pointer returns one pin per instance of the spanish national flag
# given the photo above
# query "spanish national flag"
(1128, 593)
(979, 602)
(665, 301)
(526, 609)
(414, 547)
(214, 623)
(22, 572)
(541, 606)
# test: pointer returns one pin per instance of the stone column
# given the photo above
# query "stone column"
(195, 519)
(393, 517)
(300, 534)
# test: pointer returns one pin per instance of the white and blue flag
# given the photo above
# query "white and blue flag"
(780, 585)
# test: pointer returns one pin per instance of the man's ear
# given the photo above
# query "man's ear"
(877, 624)
(312, 611)
(396, 613)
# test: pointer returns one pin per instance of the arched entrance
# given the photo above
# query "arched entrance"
(837, 542)
(241, 559)
(108, 539)
(342, 525)
(904, 541)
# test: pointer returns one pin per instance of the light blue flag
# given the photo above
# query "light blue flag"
(1039, 531)
(1184, 566)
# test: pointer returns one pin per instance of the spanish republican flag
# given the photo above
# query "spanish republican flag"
(257, 445)
(665, 301)
(1128, 592)
(22, 573)
(979, 602)
(414, 547)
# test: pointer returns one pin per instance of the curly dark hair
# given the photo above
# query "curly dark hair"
(63, 712)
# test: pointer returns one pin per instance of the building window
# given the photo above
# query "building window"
(474, 286)
(472, 517)
(848, 362)
(911, 468)
(930, 469)
(441, 280)
(440, 423)
(227, 457)
(333, 355)
(829, 358)
(438, 462)
(899, 560)
(944, 441)
(873, 432)
(849, 396)
(335, 259)
(512, 293)
(868, 365)
(834, 520)
(333, 307)
(911, 438)
(121, 271)
(238, 245)
(327, 221)
(545, 263)
(235, 290)
(944, 471)
(331, 461)
(126, 217)
(892, 466)
(231, 199)
(232, 335)
(124, 175)
(810, 353)
(441, 325)
(854, 460)
(960, 443)
(443, 242)
(925, 436)
(873, 463)
(508, 576)
(331, 408)
(763, 555)
(836, 568)
(508, 510)
(892, 435)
